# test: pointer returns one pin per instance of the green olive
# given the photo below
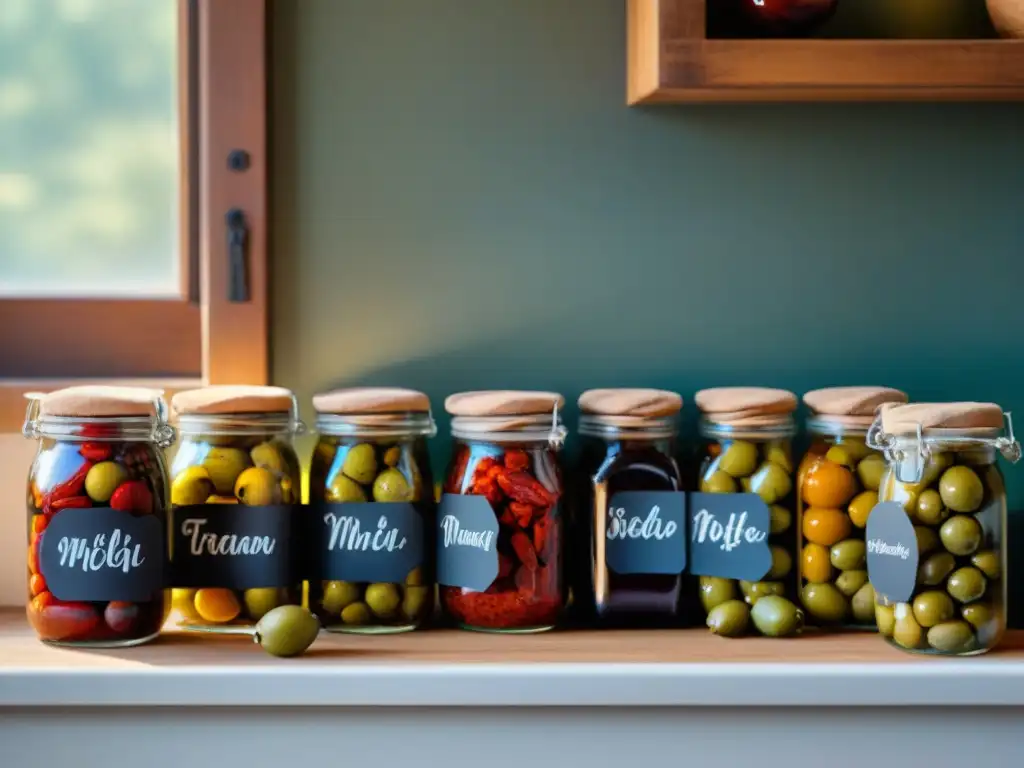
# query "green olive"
(102, 480)
(191, 486)
(718, 482)
(824, 602)
(224, 465)
(885, 619)
(729, 619)
(838, 454)
(961, 489)
(988, 563)
(356, 614)
(183, 601)
(771, 482)
(966, 584)
(391, 485)
(754, 591)
(775, 616)
(778, 452)
(934, 570)
(906, 631)
(848, 555)
(344, 489)
(383, 599)
(930, 510)
(848, 582)
(932, 607)
(870, 471)
(257, 487)
(961, 535)
(927, 539)
(738, 459)
(782, 562)
(393, 455)
(978, 615)
(287, 630)
(338, 595)
(415, 577)
(414, 601)
(781, 519)
(268, 456)
(714, 591)
(934, 466)
(863, 604)
(951, 636)
(262, 600)
(360, 463)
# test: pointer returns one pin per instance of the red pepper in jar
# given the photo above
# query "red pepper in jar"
(96, 452)
(54, 619)
(132, 496)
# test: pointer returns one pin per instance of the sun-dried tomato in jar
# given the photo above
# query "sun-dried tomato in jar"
(500, 524)
(97, 507)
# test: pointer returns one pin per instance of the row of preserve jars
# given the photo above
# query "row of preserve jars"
(235, 449)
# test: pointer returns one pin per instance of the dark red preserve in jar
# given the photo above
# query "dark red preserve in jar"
(500, 523)
(97, 508)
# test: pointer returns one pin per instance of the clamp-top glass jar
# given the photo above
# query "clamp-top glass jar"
(630, 510)
(97, 506)
(500, 525)
(749, 431)
(235, 506)
(837, 487)
(943, 472)
(373, 492)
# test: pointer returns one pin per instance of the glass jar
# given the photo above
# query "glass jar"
(630, 509)
(837, 487)
(235, 507)
(500, 525)
(97, 508)
(749, 451)
(942, 471)
(371, 485)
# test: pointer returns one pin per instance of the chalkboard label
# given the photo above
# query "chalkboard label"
(233, 545)
(100, 554)
(892, 551)
(729, 536)
(467, 542)
(645, 532)
(369, 541)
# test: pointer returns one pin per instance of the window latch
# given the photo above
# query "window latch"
(238, 263)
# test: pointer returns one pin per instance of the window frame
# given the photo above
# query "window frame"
(199, 336)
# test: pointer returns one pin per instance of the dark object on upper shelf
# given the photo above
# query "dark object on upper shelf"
(767, 18)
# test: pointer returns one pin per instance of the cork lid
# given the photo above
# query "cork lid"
(644, 403)
(967, 417)
(746, 406)
(96, 401)
(851, 401)
(228, 399)
(503, 402)
(371, 400)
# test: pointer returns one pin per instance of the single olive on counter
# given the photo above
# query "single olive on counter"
(286, 631)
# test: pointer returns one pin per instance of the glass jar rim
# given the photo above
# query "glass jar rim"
(117, 429)
(824, 425)
(627, 427)
(927, 440)
(395, 425)
(527, 428)
(228, 424)
(785, 428)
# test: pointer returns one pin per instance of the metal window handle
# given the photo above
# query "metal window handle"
(238, 263)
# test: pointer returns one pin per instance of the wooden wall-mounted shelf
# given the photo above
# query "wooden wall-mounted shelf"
(671, 60)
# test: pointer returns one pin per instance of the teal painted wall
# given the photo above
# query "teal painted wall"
(462, 200)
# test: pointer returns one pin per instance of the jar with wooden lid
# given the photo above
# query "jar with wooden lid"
(500, 524)
(937, 538)
(837, 487)
(97, 508)
(373, 494)
(236, 507)
(743, 546)
(630, 510)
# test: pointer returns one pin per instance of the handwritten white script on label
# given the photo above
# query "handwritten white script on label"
(227, 544)
(346, 534)
(637, 527)
(879, 547)
(735, 532)
(118, 553)
(455, 535)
